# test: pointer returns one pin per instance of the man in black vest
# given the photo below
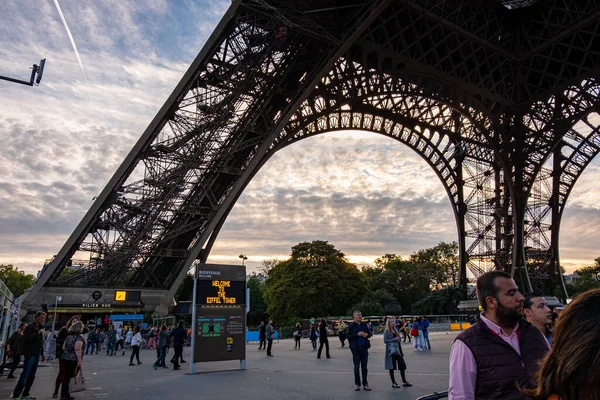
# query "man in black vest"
(501, 350)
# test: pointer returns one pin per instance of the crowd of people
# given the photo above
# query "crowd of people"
(74, 341)
(517, 349)
(498, 356)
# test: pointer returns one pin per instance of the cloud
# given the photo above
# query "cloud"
(62, 141)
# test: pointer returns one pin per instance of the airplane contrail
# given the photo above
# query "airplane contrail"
(62, 17)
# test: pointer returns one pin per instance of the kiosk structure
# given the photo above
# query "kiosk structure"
(219, 314)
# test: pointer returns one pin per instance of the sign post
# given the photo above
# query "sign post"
(219, 314)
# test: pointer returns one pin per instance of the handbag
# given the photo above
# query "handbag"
(77, 383)
(414, 331)
(394, 349)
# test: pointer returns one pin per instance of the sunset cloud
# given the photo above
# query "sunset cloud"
(62, 141)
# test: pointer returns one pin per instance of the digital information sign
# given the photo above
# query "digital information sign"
(220, 314)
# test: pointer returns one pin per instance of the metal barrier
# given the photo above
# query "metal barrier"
(434, 396)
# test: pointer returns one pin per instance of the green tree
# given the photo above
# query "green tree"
(404, 279)
(16, 280)
(186, 289)
(317, 280)
(367, 307)
(442, 301)
(587, 278)
(258, 307)
(439, 264)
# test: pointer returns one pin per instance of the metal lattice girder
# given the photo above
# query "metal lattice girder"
(487, 92)
(151, 221)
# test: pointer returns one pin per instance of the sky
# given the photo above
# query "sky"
(368, 195)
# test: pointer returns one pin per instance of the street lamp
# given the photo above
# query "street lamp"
(58, 298)
(243, 257)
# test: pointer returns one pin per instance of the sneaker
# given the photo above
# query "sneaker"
(54, 395)
(367, 388)
(357, 388)
(14, 398)
(28, 397)
(164, 367)
(407, 384)
(139, 362)
(154, 366)
(132, 364)
(10, 376)
(182, 362)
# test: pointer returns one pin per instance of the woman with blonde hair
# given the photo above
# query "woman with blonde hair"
(394, 357)
(72, 356)
(571, 370)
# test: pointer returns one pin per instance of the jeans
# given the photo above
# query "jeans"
(360, 357)
(262, 343)
(61, 375)
(90, 345)
(177, 356)
(426, 342)
(419, 340)
(314, 344)
(136, 353)
(160, 361)
(269, 345)
(70, 368)
(110, 348)
(27, 376)
(326, 344)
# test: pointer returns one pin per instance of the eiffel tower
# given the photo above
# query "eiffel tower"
(499, 97)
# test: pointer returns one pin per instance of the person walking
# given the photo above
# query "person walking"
(179, 335)
(426, 342)
(163, 342)
(14, 350)
(323, 339)
(136, 342)
(33, 350)
(394, 357)
(405, 331)
(91, 342)
(72, 356)
(262, 336)
(270, 332)
(498, 355)
(120, 339)
(358, 334)
(128, 338)
(111, 338)
(313, 337)
(151, 338)
(297, 336)
(342, 332)
(571, 370)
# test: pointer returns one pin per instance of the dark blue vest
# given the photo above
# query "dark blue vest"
(499, 366)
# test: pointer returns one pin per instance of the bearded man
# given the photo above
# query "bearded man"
(500, 353)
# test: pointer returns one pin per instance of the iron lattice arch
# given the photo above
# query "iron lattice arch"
(500, 98)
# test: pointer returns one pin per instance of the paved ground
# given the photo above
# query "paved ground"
(291, 374)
